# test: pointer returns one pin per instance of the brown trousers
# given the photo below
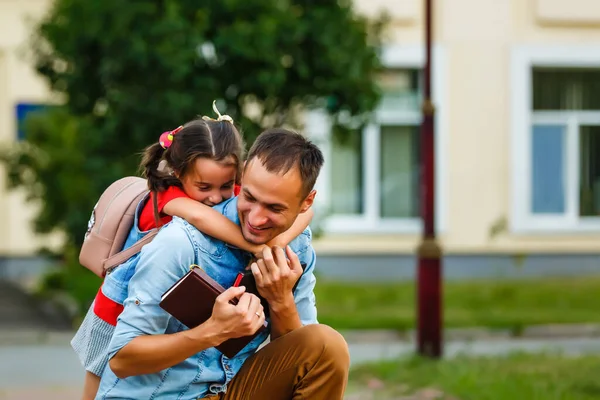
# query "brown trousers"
(311, 362)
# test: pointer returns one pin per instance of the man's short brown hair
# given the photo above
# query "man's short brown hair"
(279, 150)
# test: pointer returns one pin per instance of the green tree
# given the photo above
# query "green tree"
(123, 72)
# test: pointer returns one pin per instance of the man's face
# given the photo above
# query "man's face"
(269, 203)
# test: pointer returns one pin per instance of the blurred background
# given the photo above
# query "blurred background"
(85, 86)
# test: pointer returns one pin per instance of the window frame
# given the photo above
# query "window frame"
(318, 128)
(523, 60)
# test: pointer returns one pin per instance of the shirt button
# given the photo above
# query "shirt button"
(227, 367)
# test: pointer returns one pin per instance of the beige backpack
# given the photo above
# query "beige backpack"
(109, 226)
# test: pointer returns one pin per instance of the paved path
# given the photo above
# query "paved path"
(52, 371)
(365, 352)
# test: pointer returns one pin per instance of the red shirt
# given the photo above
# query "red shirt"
(147, 221)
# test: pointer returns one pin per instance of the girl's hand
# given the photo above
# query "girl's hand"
(257, 250)
(277, 242)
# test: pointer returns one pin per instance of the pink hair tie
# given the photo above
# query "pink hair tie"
(166, 138)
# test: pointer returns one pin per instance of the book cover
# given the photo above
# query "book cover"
(191, 300)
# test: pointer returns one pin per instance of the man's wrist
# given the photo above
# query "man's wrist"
(282, 305)
(209, 334)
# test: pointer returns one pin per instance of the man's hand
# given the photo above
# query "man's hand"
(228, 321)
(239, 320)
(276, 276)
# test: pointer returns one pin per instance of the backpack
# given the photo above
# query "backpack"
(109, 226)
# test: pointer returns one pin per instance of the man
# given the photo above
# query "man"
(154, 356)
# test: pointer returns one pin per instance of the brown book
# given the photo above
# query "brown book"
(191, 300)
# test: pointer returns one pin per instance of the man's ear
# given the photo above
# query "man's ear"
(308, 201)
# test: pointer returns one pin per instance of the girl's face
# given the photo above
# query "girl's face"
(208, 181)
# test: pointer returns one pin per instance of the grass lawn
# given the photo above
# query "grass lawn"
(495, 304)
(514, 377)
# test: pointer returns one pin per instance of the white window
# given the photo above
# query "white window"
(556, 139)
(371, 177)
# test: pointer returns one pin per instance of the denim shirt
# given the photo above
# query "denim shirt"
(161, 263)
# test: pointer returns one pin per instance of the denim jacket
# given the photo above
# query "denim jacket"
(160, 264)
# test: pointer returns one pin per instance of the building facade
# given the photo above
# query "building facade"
(20, 90)
(516, 85)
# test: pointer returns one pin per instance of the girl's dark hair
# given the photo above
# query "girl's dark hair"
(215, 140)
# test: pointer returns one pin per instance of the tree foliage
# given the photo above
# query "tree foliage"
(123, 72)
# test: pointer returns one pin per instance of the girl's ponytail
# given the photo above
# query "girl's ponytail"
(159, 179)
(149, 166)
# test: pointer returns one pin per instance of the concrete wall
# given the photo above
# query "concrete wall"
(18, 83)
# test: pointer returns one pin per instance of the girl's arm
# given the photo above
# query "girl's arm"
(213, 223)
(210, 221)
(299, 225)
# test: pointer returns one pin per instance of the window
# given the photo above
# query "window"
(589, 172)
(22, 111)
(399, 171)
(385, 155)
(395, 151)
(566, 109)
(347, 183)
(558, 152)
(370, 181)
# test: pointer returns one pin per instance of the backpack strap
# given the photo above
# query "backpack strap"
(117, 259)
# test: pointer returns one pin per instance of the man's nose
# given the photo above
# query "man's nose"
(257, 217)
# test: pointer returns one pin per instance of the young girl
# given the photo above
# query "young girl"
(191, 169)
